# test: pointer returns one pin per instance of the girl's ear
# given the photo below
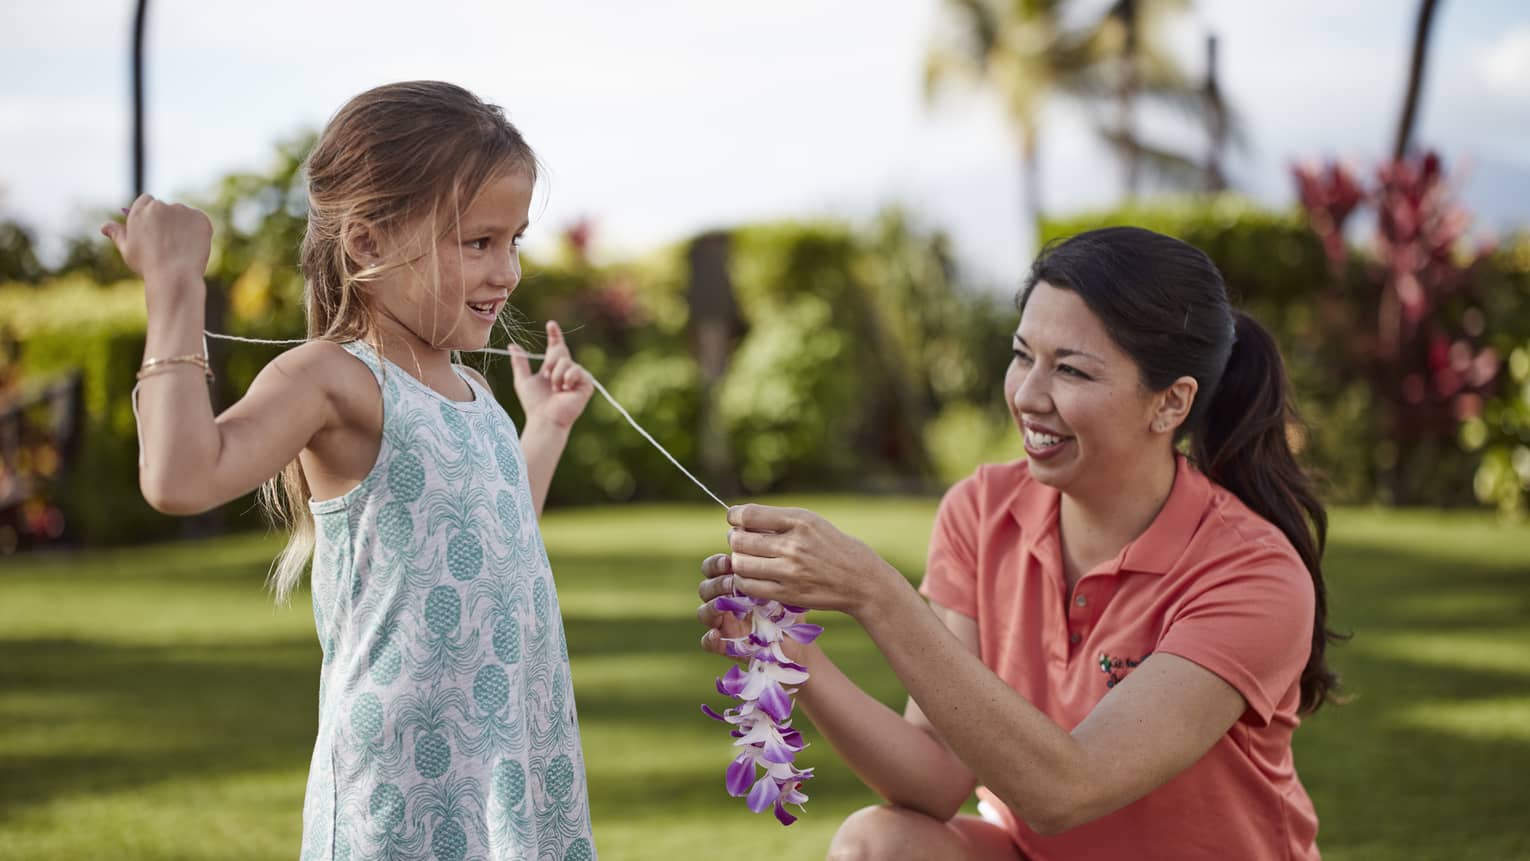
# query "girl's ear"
(361, 244)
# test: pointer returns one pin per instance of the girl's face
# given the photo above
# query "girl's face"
(1087, 419)
(477, 268)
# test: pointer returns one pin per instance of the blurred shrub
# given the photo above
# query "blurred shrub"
(72, 324)
(1501, 434)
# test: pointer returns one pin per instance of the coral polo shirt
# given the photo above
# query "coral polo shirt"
(1209, 581)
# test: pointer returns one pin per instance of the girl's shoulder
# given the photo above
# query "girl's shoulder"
(342, 377)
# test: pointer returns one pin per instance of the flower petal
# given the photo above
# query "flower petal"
(782, 816)
(732, 682)
(740, 774)
(764, 794)
(803, 632)
(709, 712)
(774, 702)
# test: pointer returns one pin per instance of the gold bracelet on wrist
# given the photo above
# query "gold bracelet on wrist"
(151, 367)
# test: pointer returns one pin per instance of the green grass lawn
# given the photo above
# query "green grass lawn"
(154, 704)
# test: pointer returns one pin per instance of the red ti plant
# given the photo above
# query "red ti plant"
(1408, 315)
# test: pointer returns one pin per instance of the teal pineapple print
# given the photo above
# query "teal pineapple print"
(387, 808)
(386, 659)
(491, 688)
(464, 555)
(509, 513)
(395, 527)
(445, 806)
(446, 647)
(406, 476)
(443, 610)
(432, 755)
(509, 813)
(563, 815)
(507, 640)
(458, 515)
(425, 717)
(560, 777)
(509, 464)
(447, 725)
(456, 425)
(367, 716)
(449, 842)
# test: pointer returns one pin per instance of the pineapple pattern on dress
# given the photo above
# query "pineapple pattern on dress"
(447, 726)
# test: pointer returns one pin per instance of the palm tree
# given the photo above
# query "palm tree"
(139, 19)
(1415, 77)
(1025, 53)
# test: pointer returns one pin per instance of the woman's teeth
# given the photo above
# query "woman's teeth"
(486, 308)
(1037, 439)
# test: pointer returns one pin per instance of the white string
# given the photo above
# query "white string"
(496, 351)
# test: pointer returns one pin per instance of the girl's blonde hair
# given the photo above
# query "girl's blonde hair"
(392, 158)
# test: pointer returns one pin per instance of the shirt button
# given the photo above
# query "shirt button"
(1081, 601)
(1075, 637)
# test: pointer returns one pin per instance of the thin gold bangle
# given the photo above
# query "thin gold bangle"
(154, 367)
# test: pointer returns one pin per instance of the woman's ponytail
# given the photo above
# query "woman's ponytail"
(1243, 443)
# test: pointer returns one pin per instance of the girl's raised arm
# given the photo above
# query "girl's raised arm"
(193, 461)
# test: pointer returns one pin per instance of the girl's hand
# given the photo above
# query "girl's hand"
(166, 243)
(558, 392)
(796, 557)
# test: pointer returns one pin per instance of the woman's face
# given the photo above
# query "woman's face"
(1077, 398)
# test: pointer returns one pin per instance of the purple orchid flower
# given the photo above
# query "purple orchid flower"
(761, 722)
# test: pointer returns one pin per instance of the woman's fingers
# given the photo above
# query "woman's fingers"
(766, 545)
(716, 565)
(763, 518)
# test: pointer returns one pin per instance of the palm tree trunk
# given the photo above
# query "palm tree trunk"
(1415, 77)
(1030, 179)
(138, 147)
(1126, 99)
(1216, 122)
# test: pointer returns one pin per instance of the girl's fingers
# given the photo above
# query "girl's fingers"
(554, 334)
(520, 366)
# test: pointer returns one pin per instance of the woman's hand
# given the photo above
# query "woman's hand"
(796, 557)
(558, 392)
(721, 626)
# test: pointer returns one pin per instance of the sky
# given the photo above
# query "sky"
(661, 119)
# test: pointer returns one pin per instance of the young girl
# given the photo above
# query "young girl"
(447, 726)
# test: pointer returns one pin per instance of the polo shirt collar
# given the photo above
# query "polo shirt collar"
(1035, 505)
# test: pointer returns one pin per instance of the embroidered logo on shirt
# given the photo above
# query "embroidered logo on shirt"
(1115, 669)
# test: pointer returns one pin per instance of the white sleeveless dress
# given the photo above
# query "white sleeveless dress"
(447, 727)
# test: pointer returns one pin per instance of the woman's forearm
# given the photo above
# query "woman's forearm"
(899, 761)
(1019, 753)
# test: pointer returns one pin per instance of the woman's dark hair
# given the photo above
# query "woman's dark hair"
(1165, 304)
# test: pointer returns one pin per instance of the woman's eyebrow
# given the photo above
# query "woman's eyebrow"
(1062, 352)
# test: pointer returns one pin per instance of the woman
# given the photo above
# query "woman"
(1119, 640)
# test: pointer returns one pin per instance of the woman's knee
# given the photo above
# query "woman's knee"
(886, 833)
